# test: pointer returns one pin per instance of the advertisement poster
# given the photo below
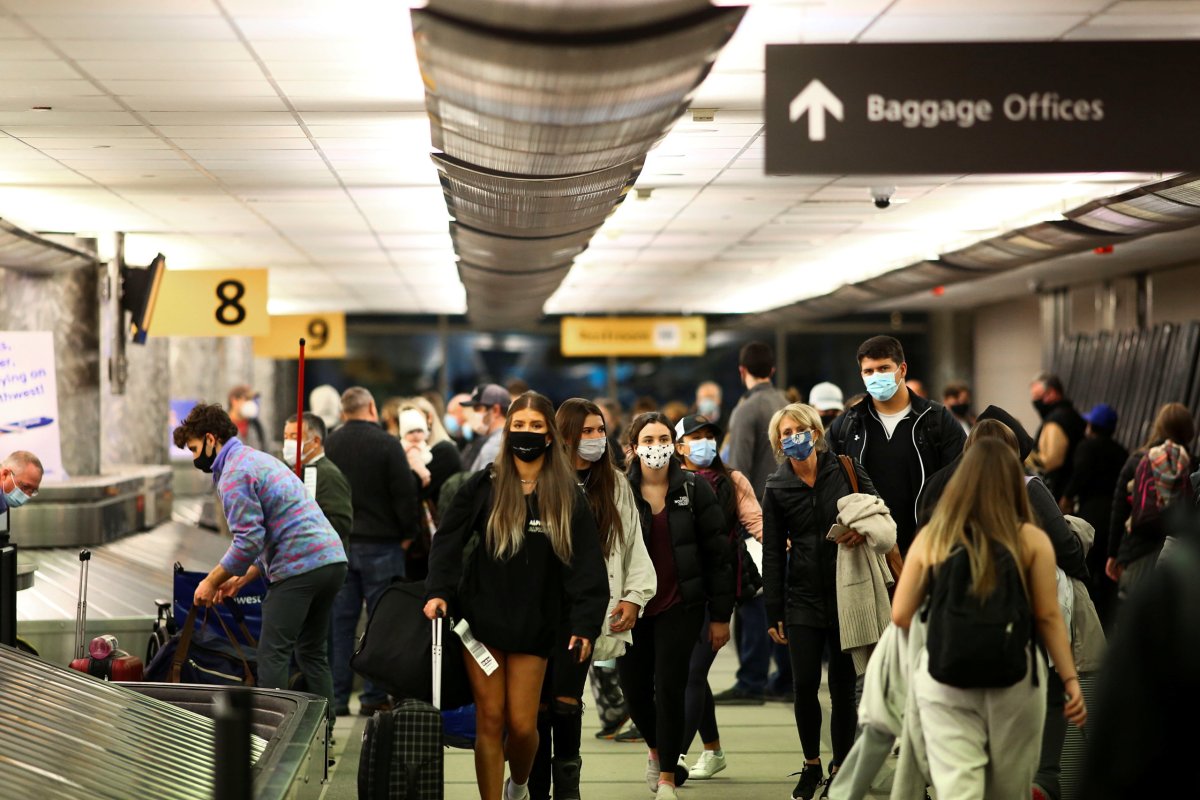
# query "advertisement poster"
(180, 408)
(29, 399)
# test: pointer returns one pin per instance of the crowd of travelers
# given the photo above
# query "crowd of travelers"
(953, 574)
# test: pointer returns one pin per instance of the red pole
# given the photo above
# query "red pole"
(300, 415)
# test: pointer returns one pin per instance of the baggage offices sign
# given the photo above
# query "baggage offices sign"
(324, 336)
(633, 336)
(221, 302)
(29, 399)
(956, 108)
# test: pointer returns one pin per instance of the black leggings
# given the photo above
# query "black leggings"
(700, 715)
(806, 645)
(654, 677)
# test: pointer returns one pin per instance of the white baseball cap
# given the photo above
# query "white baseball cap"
(825, 397)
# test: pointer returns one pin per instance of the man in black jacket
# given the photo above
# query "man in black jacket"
(385, 523)
(899, 437)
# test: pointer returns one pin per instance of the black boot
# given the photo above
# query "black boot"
(566, 778)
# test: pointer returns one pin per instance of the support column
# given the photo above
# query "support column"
(134, 412)
(951, 351)
(65, 303)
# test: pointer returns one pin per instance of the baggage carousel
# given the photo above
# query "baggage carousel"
(126, 577)
(67, 735)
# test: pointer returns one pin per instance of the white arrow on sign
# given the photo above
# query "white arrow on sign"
(816, 100)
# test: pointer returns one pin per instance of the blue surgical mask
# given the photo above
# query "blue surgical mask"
(709, 408)
(16, 498)
(882, 385)
(799, 446)
(451, 423)
(701, 452)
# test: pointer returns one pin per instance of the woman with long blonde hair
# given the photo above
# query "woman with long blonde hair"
(985, 742)
(516, 542)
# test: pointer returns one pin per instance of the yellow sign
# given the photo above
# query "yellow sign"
(227, 302)
(324, 336)
(633, 336)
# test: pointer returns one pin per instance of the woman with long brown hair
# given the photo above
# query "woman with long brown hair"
(516, 542)
(1134, 545)
(631, 585)
(985, 742)
(685, 534)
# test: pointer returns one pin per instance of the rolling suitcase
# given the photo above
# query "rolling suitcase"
(104, 659)
(402, 749)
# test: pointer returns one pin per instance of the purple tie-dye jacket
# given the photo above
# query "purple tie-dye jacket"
(271, 516)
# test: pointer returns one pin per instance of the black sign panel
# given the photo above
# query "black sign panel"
(950, 108)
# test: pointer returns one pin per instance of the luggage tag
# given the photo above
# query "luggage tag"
(478, 652)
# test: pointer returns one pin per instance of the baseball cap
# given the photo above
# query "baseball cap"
(694, 422)
(491, 394)
(825, 397)
(1102, 416)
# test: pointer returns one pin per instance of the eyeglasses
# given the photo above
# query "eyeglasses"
(24, 487)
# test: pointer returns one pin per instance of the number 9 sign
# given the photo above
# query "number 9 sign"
(325, 335)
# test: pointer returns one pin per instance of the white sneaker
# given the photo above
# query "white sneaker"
(710, 763)
(652, 775)
(515, 794)
(665, 792)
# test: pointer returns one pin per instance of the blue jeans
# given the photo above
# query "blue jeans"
(373, 566)
(753, 646)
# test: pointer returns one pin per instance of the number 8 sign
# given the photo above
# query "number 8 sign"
(231, 302)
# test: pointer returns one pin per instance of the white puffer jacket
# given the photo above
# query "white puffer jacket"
(631, 574)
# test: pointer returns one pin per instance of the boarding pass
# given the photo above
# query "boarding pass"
(478, 652)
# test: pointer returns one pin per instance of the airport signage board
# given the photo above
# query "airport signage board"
(324, 336)
(29, 416)
(943, 109)
(228, 302)
(633, 336)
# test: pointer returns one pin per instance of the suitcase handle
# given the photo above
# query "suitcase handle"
(437, 660)
(85, 557)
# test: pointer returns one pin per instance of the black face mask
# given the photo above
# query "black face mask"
(960, 409)
(827, 419)
(204, 461)
(527, 445)
(1043, 408)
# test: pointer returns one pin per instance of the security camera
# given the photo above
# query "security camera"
(882, 195)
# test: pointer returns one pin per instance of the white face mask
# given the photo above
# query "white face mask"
(249, 409)
(655, 456)
(289, 452)
(592, 449)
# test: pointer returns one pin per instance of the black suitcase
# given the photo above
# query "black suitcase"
(402, 750)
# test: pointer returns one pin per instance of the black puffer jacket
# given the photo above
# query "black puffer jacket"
(699, 539)
(800, 584)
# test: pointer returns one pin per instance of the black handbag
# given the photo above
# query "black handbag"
(394, 651)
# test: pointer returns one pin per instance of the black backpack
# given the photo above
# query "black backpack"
(978, 643)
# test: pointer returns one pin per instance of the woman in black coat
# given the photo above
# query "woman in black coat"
(688, 542)
(800, 580)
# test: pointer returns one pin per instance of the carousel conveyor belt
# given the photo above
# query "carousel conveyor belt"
(67, 735)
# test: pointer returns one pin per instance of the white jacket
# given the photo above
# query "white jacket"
(863, 605)
(631, 574)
